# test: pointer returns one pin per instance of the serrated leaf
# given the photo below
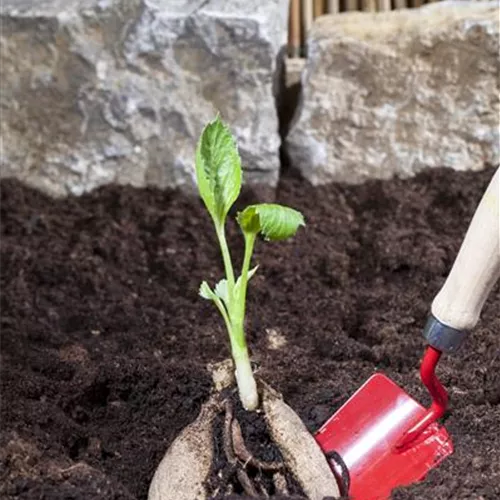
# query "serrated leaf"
(206, 292)
(218, 169)
(221, 290)
(275, 222)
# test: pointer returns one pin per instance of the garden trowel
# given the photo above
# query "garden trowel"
(382, 438)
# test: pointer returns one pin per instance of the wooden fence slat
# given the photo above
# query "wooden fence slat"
(351, 5)
(318, 8)
(383, 5)
(400, 4)
(369, 5)
(333, 6)
(307, 13)
(294, 35)
(308, 17)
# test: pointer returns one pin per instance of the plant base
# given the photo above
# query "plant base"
(228, 450)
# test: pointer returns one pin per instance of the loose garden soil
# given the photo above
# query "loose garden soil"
(105, 341)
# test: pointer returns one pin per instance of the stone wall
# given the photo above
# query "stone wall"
(393, 93)
(117, 91)
(101, 91)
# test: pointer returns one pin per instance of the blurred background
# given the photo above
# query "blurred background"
(304, 12)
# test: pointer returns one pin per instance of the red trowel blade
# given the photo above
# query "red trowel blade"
(362, 436)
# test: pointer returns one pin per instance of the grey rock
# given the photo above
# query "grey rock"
(389, 94)
(118, 91)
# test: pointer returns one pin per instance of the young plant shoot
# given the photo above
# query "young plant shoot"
(219, 177)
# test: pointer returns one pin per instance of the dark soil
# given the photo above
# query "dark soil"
(105, 341)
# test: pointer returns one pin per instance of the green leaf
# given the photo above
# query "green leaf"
(206, 292)
(239, 281)
(249, 277)
(249, 220)
(218, 169)
(221, 291)
(275, 222)
(252, 272)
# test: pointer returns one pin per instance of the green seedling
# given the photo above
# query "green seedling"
(219, 177)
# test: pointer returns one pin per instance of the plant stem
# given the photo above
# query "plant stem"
(244, 374)
(249, 244)
(247, 387)
(223, 312)
(226, 256)
(234, 319)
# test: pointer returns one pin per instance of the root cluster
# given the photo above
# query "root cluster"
(242, 464)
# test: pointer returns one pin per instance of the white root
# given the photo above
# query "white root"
(301, 452)
(247, 387)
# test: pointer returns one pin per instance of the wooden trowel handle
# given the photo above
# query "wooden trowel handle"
(457, 306)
